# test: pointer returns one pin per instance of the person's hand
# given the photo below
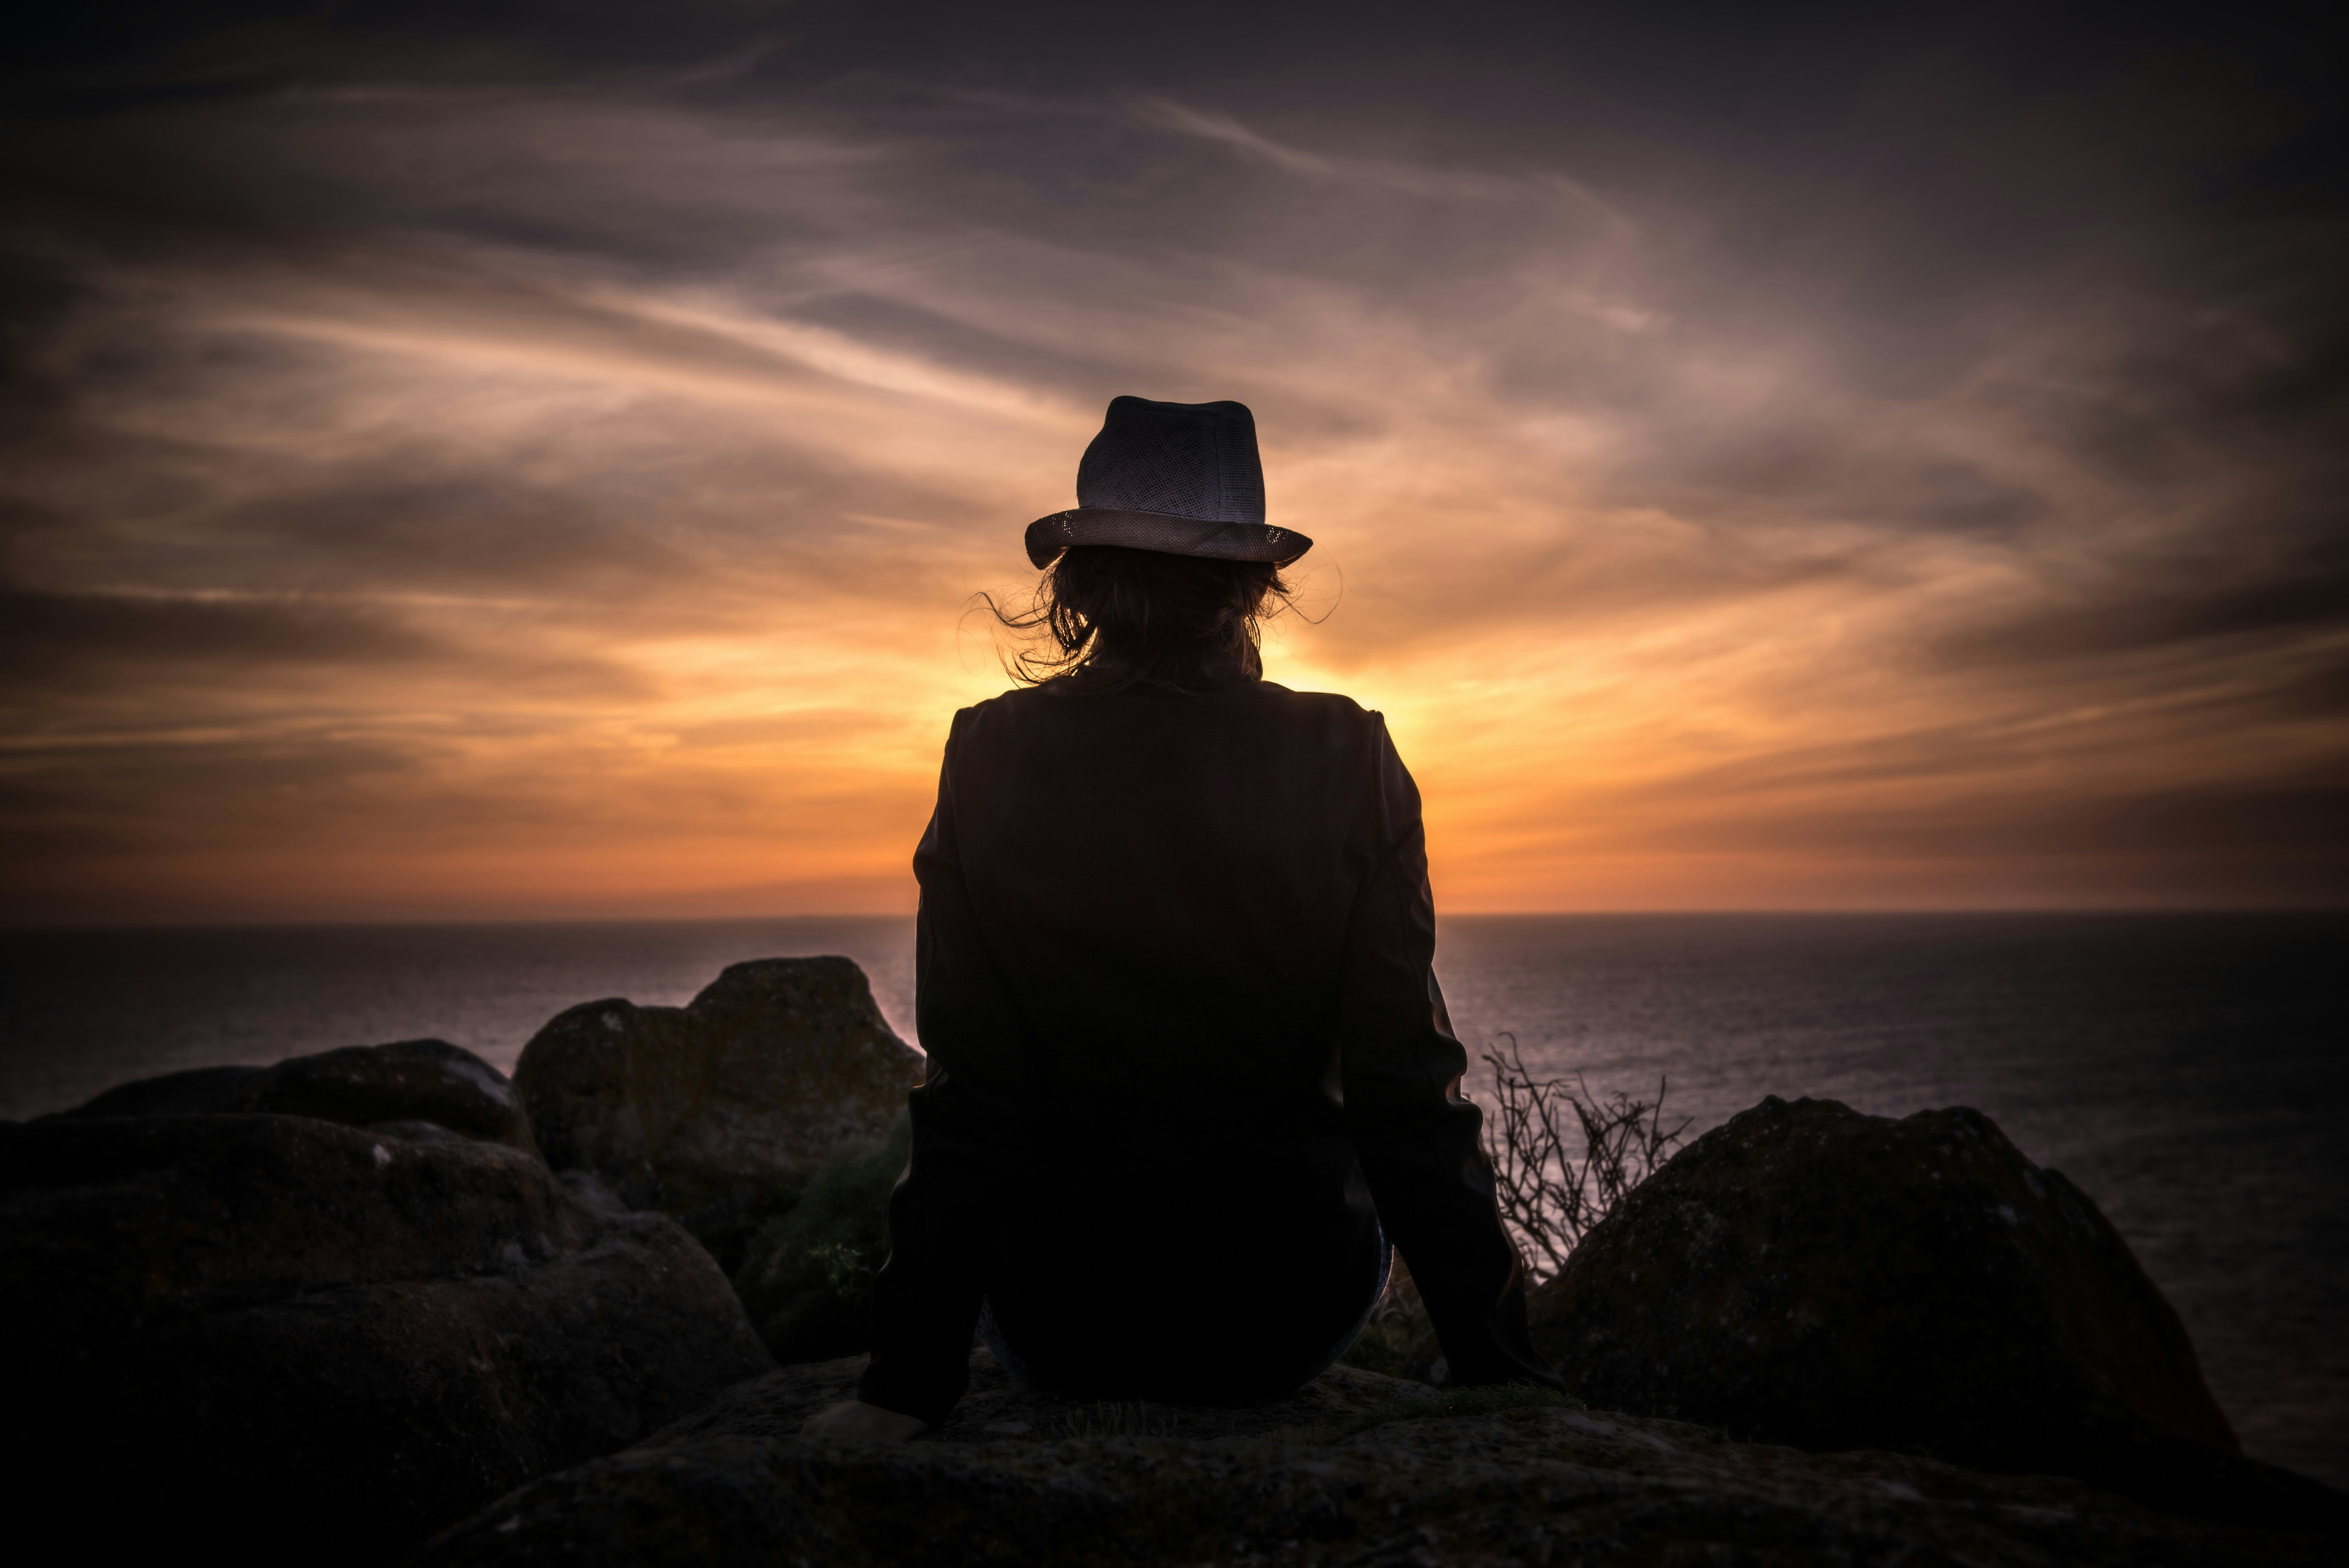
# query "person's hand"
(854, 1421)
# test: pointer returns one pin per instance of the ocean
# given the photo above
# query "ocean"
(2190, 1071)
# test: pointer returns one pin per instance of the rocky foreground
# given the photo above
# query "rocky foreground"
(383, 1302)
(1358, 1469)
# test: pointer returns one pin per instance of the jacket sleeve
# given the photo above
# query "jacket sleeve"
(970, 1117)
(1418, 1139)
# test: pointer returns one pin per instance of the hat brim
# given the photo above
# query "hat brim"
(1162, 531)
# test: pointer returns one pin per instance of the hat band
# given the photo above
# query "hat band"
(1165, 532)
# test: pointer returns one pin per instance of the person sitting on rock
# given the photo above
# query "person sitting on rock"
(1190, 1071)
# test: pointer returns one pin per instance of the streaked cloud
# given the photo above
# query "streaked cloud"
(561, 489)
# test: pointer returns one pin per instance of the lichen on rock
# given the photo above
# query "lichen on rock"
(1807, 1275)
(307, 1341)
(408, 1084)
(807, 1276)
(719, 1113)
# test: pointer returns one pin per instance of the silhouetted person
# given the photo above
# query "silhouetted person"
(1189, 1069)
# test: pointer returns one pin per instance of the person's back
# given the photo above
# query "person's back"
(1198, 854)
(1164, 885)
(1189, 1067)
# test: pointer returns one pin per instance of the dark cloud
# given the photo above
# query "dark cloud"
(1807, 468)
(83, 824)
(58, 648)
(43, 635)
(2322, 690)
(2288, 840)
(2307, 822)
(418, 524)
(2243, 583)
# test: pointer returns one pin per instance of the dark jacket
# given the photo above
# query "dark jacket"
(1174, 980)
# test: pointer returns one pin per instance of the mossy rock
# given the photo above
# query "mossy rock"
(806, 1277)
(1399, 1341)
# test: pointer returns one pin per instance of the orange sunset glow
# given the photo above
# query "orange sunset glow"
(545, 493)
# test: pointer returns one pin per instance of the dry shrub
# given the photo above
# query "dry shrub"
(1550, 1199)
(1562, 1158)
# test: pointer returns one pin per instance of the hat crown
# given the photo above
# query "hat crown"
(1184, 459)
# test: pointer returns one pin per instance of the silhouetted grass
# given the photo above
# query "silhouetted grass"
(806, 1278)
(1449, 1404)
(1117, 1418)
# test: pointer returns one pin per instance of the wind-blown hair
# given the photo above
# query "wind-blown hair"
(1109, 618)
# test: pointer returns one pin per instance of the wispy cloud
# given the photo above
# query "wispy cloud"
(1402, 177)
(437, 495)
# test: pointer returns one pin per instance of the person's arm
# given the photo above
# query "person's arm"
(1417, 1137)
(969, 1119)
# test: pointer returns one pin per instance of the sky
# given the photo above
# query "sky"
(490, 461)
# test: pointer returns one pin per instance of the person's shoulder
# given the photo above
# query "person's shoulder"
(1016, 695)
(1009, 712)
(1014, 711)
(1332, 707)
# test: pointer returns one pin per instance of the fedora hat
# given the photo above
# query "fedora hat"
(1182, 479)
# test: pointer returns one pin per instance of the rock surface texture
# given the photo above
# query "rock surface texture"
(303, 1340)
(718, 1112)
(1807, 1274)
(1358, 1469)
(807, 1278)
(402, 1088)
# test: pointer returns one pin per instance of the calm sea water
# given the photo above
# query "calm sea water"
(2190, 1072)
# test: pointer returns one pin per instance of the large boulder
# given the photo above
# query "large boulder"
(718, 1112)
(302, 1340)
(403, 1088)
(1810, 1275)
(1355, 1470)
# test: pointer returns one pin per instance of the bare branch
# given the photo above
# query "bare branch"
(1548, 1200)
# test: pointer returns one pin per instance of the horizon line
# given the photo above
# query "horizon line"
(1902, 912)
